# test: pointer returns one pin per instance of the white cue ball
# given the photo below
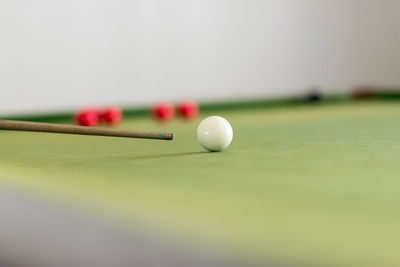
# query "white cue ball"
(214, 133)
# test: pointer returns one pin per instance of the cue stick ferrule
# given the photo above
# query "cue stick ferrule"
(81, 130)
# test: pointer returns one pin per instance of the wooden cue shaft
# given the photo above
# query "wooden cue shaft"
(83, 130)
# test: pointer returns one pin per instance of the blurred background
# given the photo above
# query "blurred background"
(60, 55)
(295, 186)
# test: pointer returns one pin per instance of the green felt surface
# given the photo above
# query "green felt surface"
(310, 184)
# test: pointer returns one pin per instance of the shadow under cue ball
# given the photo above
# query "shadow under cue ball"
(214, 133)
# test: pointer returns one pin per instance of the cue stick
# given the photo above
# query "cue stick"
(82, 130)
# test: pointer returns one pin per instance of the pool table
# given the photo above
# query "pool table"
(313, 184)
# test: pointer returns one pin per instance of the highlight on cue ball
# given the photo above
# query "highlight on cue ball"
(214, 133)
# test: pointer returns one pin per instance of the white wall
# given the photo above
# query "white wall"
(68, 53)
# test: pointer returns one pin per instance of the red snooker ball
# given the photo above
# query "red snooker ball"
(111, 115)
(87, 117)
(163, 111)
(188, 109)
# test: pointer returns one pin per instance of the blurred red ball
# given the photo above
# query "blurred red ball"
(163, 111)
(111, 115)
(87, 117)
(188, 109)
